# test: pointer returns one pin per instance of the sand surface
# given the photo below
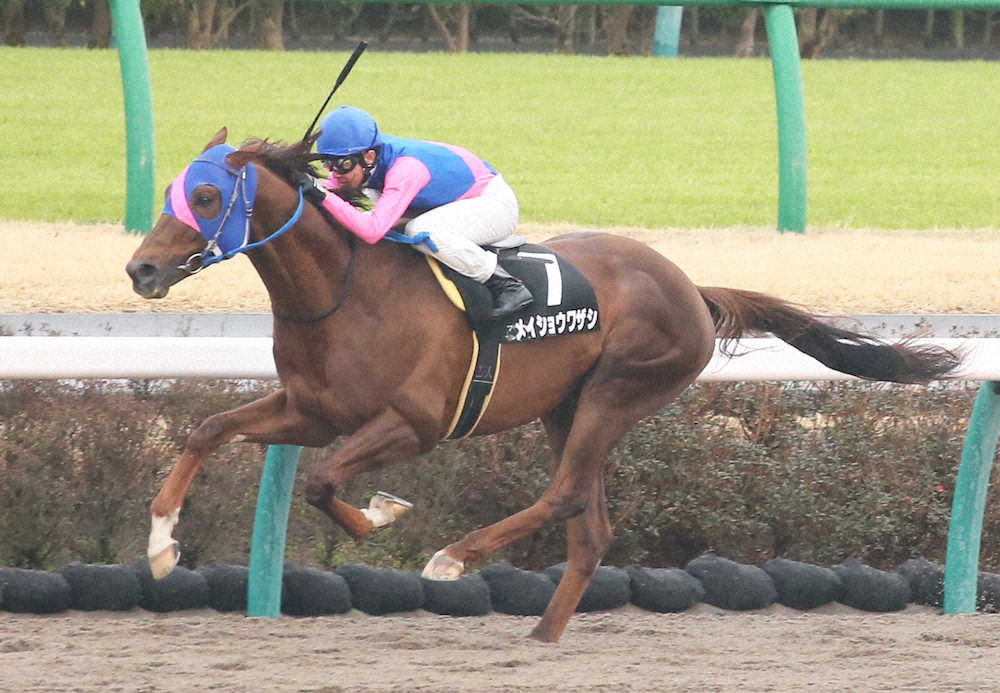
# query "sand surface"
(69, 268)
(704, 649)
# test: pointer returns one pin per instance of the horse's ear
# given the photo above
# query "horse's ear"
(240, 158)
(220, 137)
(245, 154)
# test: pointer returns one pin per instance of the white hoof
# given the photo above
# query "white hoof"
(384, 508)
(165, 561)
(443, 567)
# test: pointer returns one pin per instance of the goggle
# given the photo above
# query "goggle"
(341, 164)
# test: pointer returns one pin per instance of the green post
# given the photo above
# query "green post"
(961, 571)
(667, 30)
(784, 43)
(131, 38)
(267, 550)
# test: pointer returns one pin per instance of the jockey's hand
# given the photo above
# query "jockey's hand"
(310, 191)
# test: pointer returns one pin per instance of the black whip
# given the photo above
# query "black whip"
(340, 80)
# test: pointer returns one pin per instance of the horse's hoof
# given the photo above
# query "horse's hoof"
(165, 561)
(384, 508)
(443, 567)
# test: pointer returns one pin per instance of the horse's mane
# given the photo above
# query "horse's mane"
(288, 161)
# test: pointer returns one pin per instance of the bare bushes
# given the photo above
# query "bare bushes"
(80, 463)
(750, 471)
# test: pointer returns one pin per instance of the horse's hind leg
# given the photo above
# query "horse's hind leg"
(608, 408)
(443, 564)
(575, 494)
(588, 536)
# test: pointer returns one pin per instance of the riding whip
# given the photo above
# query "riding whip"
(340, 80)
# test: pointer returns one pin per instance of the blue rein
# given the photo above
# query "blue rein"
(296, 215)
(393, 236)
(416, 239)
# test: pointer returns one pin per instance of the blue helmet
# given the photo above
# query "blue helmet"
(348, 130)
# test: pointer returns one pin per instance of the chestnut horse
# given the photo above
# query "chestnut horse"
(368, 347)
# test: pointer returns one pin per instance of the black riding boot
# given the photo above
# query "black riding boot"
(509, 293)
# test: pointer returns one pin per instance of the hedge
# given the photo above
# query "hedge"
(814, 474)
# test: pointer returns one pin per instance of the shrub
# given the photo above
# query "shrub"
(814, 473)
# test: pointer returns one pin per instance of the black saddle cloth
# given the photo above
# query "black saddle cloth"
(564, 303)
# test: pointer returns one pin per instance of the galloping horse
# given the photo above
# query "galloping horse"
(367, 346)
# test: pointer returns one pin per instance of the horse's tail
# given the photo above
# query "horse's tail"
(737, 313)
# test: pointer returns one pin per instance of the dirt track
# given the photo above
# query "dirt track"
(70, 268)
(834, 648)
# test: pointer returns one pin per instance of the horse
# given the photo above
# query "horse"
(369, 349)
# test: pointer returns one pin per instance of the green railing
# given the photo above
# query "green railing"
(274, 499)
(131, 39)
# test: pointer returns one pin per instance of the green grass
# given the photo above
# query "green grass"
(596, 141)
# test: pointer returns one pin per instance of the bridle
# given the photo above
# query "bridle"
(212, 254)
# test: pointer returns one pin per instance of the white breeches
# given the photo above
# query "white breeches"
(459, 229)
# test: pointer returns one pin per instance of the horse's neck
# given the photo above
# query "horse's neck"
(305, 269)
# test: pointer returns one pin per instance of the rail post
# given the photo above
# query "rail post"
(961, 571)
(667, 31)
(267, 550)
(780, 22)
(134, 60)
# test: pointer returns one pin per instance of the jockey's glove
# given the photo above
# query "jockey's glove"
(310, 190)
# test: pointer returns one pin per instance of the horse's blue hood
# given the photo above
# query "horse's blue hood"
(230, 229)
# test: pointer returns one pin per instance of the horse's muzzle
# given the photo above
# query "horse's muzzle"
(147, 280)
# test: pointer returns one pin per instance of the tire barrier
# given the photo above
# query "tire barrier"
(182, 589)
(802, 585)
(609, 589)
(988, 592)
(926, 581)
(313, 592)
(733, 586)
(517, 592)
(34, 591)
(869, 589)
(102, 587)
(227, 586)
(378, 591)
(469, 595)
(498, 587)
(664, 590)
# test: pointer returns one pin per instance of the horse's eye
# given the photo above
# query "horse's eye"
(203, 199)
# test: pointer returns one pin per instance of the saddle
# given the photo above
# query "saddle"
(565, 304)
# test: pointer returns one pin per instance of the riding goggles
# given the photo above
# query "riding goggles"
(341, 164)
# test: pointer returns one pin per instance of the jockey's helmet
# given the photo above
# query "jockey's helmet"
(346, 131)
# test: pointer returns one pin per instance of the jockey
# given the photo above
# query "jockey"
(455, 197)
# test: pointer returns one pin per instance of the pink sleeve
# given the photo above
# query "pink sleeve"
(403, 181)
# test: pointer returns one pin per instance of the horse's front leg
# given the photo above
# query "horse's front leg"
(266, 420)
(389, 437)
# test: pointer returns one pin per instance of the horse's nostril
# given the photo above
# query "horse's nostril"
(140, 270)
